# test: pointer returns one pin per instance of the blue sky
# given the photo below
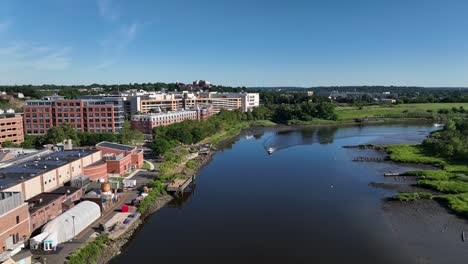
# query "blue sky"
(235, 42)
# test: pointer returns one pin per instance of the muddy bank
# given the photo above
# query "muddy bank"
(427, 231)
(115, 247)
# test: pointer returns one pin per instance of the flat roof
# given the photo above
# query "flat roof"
(41, 200)
(23, 171)
(65, 190)
(117, 146)
(99, 162)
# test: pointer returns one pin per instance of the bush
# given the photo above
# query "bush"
(412, 196)
(90, 252)
(191, 164)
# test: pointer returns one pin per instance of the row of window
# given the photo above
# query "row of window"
(9, 135)
(10, 123)
(9, 129)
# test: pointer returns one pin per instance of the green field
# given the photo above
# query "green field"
(350, 112)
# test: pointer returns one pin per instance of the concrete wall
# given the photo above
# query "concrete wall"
(32, 187)
(63, 173)
(49, 180)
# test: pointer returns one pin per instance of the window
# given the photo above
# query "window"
(17, 219)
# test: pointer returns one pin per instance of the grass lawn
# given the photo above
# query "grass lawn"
(262, 123)
(146, 166)
(350, 112)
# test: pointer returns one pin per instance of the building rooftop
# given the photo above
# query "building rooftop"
(65, 190)
(110, 145)
(44, 199)
(22, 171)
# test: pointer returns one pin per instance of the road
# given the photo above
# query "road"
(59, 257)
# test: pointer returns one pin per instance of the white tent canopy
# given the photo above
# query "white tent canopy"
(65, 226)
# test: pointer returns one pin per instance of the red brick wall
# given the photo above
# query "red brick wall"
(46, 213)
(137, 160)
(119, 166)
(96, 172)
(8, 225)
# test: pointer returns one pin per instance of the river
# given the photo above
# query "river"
(308, 202)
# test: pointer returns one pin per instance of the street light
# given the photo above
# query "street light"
(73, 217)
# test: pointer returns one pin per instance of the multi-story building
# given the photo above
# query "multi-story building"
(11, 127)
(230, 101)
(93, 115)
(146, 122)
(120, 159)
(14, 222)
(177, 101)
(46, 173)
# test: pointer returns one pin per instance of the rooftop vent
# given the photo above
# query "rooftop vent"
(45, 167)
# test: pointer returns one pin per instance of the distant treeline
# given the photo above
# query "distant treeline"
(268, 95)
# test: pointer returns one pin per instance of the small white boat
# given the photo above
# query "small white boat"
(438, 125)
(270, 150)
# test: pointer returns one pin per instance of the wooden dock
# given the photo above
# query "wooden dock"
(179, 185)
(369, 159)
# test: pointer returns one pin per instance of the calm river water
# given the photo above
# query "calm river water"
(306, 203)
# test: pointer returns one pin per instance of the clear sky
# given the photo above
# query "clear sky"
(235, 42)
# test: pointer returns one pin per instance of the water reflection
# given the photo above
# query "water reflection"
(326, 135)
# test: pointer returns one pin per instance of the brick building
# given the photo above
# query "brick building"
(120, 159)
(91, 115)
(46, 206)
(14, 221)
(11, 128)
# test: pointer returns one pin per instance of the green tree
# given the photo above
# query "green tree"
(55, 135)
(128, 136)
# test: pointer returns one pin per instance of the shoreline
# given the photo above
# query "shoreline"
(115, 248)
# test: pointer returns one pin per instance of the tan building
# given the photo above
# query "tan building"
(14, 222)
(173, 102)
(46, 173)
(11, 128)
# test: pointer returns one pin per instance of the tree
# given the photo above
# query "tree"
(128, 136)
(55, 135)
(161, 146)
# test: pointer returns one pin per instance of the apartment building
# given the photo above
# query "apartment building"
(91, 115)
(14, 222)
(11, 127)
(177, 101)
(146, 122)
(230, 101)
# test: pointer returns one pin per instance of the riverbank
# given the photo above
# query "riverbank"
(114, 248)
(221, 140)
(429, 233)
